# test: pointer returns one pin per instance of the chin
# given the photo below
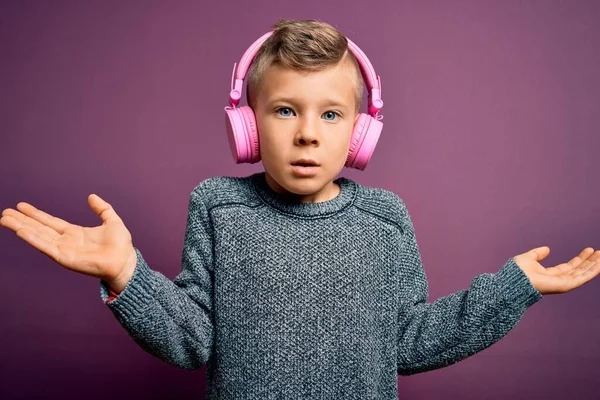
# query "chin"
(305, 188)
(299, 186)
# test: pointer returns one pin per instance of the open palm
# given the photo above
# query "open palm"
(102, 251)
(563, 277)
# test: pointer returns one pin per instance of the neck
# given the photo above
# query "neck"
(339, 196)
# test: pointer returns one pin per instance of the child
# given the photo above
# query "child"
(295, 284)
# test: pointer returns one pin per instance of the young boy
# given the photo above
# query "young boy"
(295, 284)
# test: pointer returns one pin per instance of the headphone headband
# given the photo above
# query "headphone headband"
(372, 80)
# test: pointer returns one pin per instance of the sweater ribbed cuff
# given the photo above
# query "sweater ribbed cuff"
(138, 294)
(516, 286)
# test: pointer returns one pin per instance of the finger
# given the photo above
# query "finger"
(572, 265)
(587, 263)
(44, 243)
(585, 267)
(584, 255)
(103, 209)
(595, 256)
(587, 275)
(42, 217)
(16, 220)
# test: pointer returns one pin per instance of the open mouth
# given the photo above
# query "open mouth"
(305, 162)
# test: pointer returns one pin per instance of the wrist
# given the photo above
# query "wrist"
(118, 283)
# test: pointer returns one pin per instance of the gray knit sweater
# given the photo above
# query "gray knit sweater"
(322, 300)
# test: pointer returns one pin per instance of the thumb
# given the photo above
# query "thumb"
(103, 209)
(539, 253)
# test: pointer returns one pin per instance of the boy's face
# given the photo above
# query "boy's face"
(305, 115)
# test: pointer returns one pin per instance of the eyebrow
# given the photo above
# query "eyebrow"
(292, 100)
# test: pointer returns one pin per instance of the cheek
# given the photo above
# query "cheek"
(343, 142)
(271, 145)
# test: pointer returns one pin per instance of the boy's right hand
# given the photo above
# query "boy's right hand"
(104, 252)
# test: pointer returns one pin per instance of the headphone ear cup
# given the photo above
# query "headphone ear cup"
(252, 133)
(242, 134)
(364, 139)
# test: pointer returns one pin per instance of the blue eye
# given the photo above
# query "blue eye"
(284, 111)
(330, 115)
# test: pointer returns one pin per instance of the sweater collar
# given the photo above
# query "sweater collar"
(344, 199)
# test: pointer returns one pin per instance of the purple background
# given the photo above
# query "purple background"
(492, 117)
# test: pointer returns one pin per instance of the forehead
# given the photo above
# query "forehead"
(334, 84)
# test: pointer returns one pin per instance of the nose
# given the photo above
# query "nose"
(307, 131)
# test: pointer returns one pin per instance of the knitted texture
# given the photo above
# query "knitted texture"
(327, 300)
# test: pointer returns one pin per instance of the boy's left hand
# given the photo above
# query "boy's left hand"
(563, 277)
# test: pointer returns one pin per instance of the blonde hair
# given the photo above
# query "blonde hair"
(307, 45)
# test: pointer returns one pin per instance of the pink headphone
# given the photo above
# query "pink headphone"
(241, 122)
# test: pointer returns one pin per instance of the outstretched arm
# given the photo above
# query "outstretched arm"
(173, 320)
(170, 319)
(454, 327)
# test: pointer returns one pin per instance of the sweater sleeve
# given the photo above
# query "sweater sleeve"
(172, 320)
(454, 327)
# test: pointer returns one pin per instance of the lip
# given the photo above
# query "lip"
(301, 171)
(306, 161)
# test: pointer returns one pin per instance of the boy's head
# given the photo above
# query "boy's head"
(305, 45)
(305, 88)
